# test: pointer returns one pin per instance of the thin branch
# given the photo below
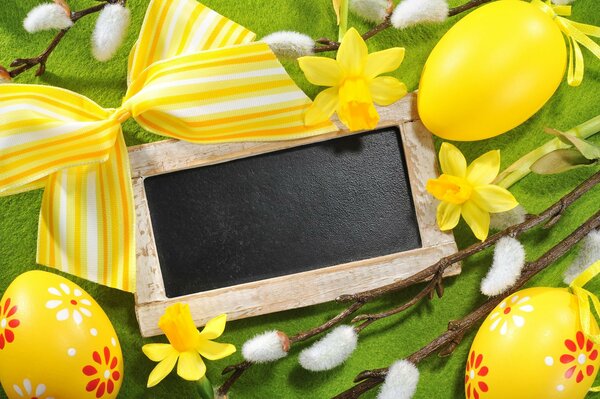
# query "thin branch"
(433, 273)
(370, 379)
(553, 211)
(21, 65)
(325, 44)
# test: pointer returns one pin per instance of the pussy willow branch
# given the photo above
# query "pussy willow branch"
(370, 379)
(433, 273)
(325, 44)
(21, 65)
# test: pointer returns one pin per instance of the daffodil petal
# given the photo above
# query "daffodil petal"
(158, 352)
(386, 90)
(477, 219)
(191, 367)
(215, 350)
(322, 108)
(321, 71)
(352, 54)
(162, 370)
(384, 61)
(452, 161)
(493, 198)
(484, 169)
(214, 328)
(448, 215)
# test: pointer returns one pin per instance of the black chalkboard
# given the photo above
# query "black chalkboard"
(281, 213)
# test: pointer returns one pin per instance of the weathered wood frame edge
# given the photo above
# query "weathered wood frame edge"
(295, 290)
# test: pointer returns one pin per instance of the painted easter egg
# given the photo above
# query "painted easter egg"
(532, 346)
(491, 71)
(56, 341)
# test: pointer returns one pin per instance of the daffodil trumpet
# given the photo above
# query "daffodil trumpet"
(354, 83)
(186, 345)
(468, 191)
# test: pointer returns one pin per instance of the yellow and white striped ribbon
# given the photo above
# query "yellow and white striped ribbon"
(193, 75)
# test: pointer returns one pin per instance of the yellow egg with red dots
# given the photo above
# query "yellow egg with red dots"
(532, 346)
(56, 341)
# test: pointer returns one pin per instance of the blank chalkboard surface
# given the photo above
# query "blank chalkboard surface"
(282, 213)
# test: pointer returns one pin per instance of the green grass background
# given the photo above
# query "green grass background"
(72, 67)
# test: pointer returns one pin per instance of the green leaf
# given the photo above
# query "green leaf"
(560, 161)
(587, 149)
(205, 388)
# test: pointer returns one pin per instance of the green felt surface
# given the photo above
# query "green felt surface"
(73, 67)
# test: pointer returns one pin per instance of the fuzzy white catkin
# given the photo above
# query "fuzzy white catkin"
(502, 220)
(412, 12)
(287, 44)
(45, 17)
(509, 259)
(331, 350)
(589, 253)
(264, 348)
(401, 381)
(110, 31)
(370, 10)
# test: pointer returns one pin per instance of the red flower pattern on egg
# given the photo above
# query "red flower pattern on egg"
(8, 323)
(579, 359)
(104, 373)
(474, 374)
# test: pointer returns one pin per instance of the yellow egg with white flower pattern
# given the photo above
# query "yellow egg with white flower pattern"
(532, 345)
(56, 341)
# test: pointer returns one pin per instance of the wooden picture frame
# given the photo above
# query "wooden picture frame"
(295, 290)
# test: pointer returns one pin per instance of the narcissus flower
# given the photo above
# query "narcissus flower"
(186, 345)
(354, 83)
(468, 191)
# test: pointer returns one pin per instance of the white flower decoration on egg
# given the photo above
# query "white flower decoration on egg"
(511, 309)
(27, 390)
(70, 303)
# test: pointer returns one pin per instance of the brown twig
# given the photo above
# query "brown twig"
(370, 379)
(325, 44)
(21, 65)
(433, 273)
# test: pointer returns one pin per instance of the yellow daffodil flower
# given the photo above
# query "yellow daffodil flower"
(468, 191)
(186, 345)
(354, 82)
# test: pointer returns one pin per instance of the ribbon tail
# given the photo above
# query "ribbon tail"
(87, 221)
(577, 35)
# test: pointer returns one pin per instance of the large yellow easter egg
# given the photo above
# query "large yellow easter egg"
(532, 346)
(491, 71)
(56, 342)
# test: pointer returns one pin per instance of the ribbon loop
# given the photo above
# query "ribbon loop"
(577, 34)
(45, 129)
(193, 75)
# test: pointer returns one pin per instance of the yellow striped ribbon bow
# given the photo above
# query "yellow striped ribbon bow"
(583, 302)
(584, 297)
(577, 33)
(194, 75)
